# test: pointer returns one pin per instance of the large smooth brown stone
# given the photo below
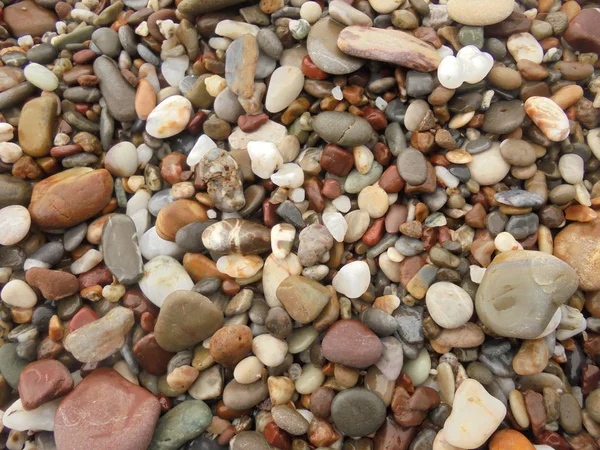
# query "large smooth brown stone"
(70, 197)
(28, 18)
(177, 215)
(106, 412)
(199, 267)
(42, 381)
(186, 318)
(583, 33)
(231, 344)
(151, 356)
(303, 298)
(392, 46)
(36, 126)
(578, 245)
(351, 343)
(53, 284)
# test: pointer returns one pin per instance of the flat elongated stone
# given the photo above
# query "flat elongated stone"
(549, 117)
(237, 236)
(121, 250)
(323, 51)
(70, 197)
(105, 411)
(520, 292)
(181, 424)
(118, 94)
(342, 128)
(392, 46)
(36, 125)
(101, 338)
(240, 65)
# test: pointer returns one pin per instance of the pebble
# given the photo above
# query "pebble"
(353, 279)
(118, 94)
(549, 117)
(449, 305)
(53, 284)
(325, 53)
(351, 343)
(342, 128)
(580, 239)
(357, 412)
(478, 12)
(11, 365)
(42, 418)
(523, 46)
(15, 223)
(186, 318)
(169, 118)
(303, 298)
(265, 158)
(120, 399)
(501, 307)
(290, 420)
(489, 167)
(285, 85)
(181, 424)
(18, 294)
(412, 166)
(120, 249)
(162, 276)
(43, 381)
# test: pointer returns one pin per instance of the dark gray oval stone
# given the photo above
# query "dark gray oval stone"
(357, 412)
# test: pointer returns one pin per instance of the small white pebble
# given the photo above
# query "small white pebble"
(219, 43)
(25, 41)
(142, 29)
(342, 203)
(476, 273)
(505, 242)
(10, 152)
(211, 213)
(6, 132)
(61, 27)
(381, 103)
(337, 93)
(311, 12)
(215, 84)
(392, 198)
(395, 255)
(5, 273)
(297, 195)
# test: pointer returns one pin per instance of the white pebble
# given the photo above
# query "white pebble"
(174, 68)
(10, 152)
(15, 223)
(395, 255)
(152, 245)
(265, 158)
(290, 175)
(353, 279)
(381, 103)
(269, 350)
(19, 294)
(6, 132)
(297, 195)
(233, 29)
(163, 275)
(88, 261)
(310, 11)
(200, 148)
(25, 41)
(342, 203)
(38, 419)
(525, 46)
(448, 304)
(41, 77)
(571, 168)
(446, 177)
(122, 159)
(284, 87)
(169, 117)
(239, 266)
(336, 225)
(476, 273)
(363, 158)
(248, 370)
(219, 43)
(337, 93)
(211, 213)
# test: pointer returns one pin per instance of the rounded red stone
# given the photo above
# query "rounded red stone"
(351, 343)
(43, 381)
(81, 318)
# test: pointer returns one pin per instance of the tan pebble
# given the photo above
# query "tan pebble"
(459, 157)
(374, 201)
(346, 376)
(567, 96)
(549, 117)
(518, 409)
(387, 303)
(531, 358)
(145, 99)
(182, 378)
(281, 390)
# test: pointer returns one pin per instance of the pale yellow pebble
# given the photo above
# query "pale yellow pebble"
(113, 292)
(215, 84)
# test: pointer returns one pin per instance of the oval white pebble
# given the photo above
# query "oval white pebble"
(15, 223)
(353, 279)
(41, 77)
(448, 304)
(270, 350)
(19, 294)
(169, 117)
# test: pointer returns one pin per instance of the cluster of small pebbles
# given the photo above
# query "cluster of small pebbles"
(299, 225)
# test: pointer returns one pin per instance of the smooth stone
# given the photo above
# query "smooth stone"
(237, 236)
(70, 197)
(489, 167)
(136, 409)
(284, 87)
(169, 117)
(522, 306)
(524, 46)
(503, 117)
(102, 337)
(324, 52)
(17, 418)
(53, 284)
(352, 280)
(14, 191)
(519, 198)
(180, 424)
(162, 276)
(577, 245)
(357, 412)
(15, 223)
(11, 365)
(388, 45)
(152, 245)
(475, 416)
(36, 126)
(392, 358)
(244, 396)
(345, 14)
(351, 343)
(480, 12)
(303, 298)
(276, 270)
(412, 166)
(342, 128)
(41, 77)
(250, 440)
(186, 318)
(120, 249)
(290, 420)
(28, 18)
(122, 159)
(189, 238)
(549, 117)
(43, 381)
(449, 305)
(224, 179)
(107, 41)
(118, 94)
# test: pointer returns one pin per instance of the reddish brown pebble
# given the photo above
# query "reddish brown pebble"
(53, 284)
(248, 124)
(351, 343)
(336, 160)
(83, 317)
(151, 356)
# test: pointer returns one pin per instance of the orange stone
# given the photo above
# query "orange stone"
(200, 267)
(145, 99)
(510, 440)
(176, 215)
(580, 213)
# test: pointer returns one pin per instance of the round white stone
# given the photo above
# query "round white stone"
(163, 275)
(489, 167)
(450, 72)
(571, 168)
(15, 223)
(418, 369)
(265, 158)
(41, 77)
(169, 117)
(19, 294)
(285, 86)
(448, 304)
(200, 148)
(248, 370)
(6, 132)
(10, 152)
(282, 239)
(310, 11)
(353, 279)
(122, 159)
(152, 245)
(270, 350)
(475, 416)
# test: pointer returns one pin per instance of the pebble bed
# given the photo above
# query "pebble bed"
(299, 225)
